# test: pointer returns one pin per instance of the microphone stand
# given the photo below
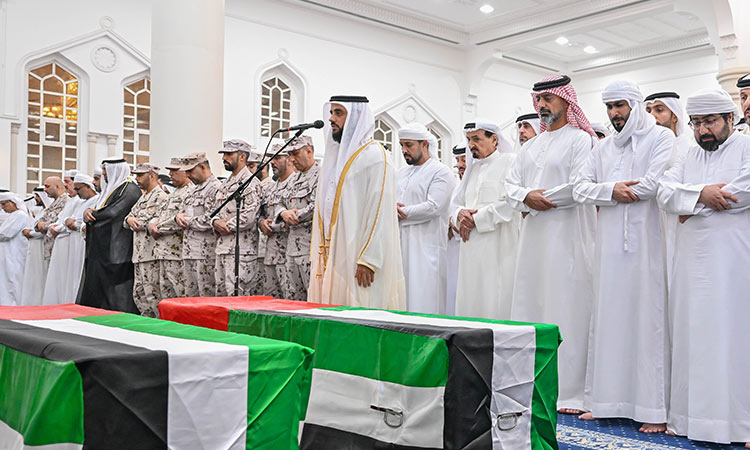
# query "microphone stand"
(237, 197)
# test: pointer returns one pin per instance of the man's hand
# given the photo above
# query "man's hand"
(265, 227)
(623, 194)
(88, 215)
(466, 223)
(220, 225)
(27, 233)
(151, 228)
(364, 276)
(401, 214)
(134, 224)
(536, 200)
(684, 218)
(290, 217)
(182, 220)
(70, 223)
(715, 198)
(41, 227)
(53, 231)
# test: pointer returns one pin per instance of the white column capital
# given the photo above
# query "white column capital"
(15, 127)
(91, 138)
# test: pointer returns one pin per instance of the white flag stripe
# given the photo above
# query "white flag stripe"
(207, 404)
(11, 439)
(343, 401)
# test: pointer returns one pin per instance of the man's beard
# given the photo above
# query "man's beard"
(618, 128)
(229, 166)
(412, 160)
(336, 135)
(713, 144)
(548, 118)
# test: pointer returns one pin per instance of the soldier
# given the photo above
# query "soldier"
(168, 234)
(199, 240)
(55, 189)
(298, 215)
(235, 153)
(146, 267)
(276, 231)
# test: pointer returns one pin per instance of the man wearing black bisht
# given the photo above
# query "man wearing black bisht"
(108, 269)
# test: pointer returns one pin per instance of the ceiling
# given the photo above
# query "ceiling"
(525, 31)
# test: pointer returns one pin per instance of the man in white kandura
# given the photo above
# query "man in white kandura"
(743, 84)
(628, 365)
(454, 240)
(487, 224)
(710, 190)
(528, 127)
(86, 189)
(425, 187)
(356, 254)
(13, 248)
(35, 271)
(553, 281)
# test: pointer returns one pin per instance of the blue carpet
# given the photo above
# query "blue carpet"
(607, 434)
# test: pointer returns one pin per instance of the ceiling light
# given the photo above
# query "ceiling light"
(486, 9)
(590, 49)
(562, 40)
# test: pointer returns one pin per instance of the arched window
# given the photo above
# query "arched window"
(439, 142)
(276, 107)
(52, 124)
(136, 124)
(384, 134)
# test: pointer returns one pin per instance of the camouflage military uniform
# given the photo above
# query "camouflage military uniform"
(302, 189)
(146, 270)
(199, 240)
(248, 229)
(49, 216)
(275, 255)
(168, 247)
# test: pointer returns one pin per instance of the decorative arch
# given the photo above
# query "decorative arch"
(282, 95)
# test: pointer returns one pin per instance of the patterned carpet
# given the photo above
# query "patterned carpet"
(610, 434)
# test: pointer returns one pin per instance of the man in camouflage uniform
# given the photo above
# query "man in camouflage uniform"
(298, 215)
(168, 234)
(234, 154)
(146, 267)
(55, 189)
(198, 239)
(256, 156)
(276, 231)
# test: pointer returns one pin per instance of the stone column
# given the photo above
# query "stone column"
(734, 57)
(187, 75)
(15, 154)
(111, 144)
(91, 140)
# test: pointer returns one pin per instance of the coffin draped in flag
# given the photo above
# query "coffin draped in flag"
(403, 381)
(73, 377)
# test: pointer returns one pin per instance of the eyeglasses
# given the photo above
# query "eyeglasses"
(76, 189)
(707, 123)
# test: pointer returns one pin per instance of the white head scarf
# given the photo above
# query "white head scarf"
(600, 128)
(46, 199)
(418, 132)
(118, 172)
(15, 198)
(675, 105)
(358, 131)
(639, 121)
(503, 146)
(85, 179)
(712, 101)
(70, 174)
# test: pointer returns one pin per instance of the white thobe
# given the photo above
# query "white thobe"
(363, 231)
(35, 273)
(553, 281)
(682, 144)
(425, 191)
(77, 253)
(13, 248)
(627, 370)
(486, 261)
(58, 275)
(709, 308)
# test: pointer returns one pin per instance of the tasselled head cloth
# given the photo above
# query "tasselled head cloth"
(532, 119)
(85, 179)
(418, 132)
(357, 132)
(118, 172)
(46, 199)
(712, 101)
(672, 101)
(600, 128)
(459, 150)
(560, 86)
(639, 122)
(743, 82)
(15, 198)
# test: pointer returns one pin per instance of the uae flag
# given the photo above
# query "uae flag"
(73, 377)
(402, 381)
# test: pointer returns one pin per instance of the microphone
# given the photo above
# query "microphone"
(304, 126)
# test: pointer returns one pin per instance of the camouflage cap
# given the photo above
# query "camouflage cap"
(174, 164)
(298, 143)
(145, 168)
(191, 160)
(255, 157)
(236, 145)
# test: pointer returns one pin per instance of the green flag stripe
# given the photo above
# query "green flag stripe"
(41, 399)
(278, 376)
(354, 353)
